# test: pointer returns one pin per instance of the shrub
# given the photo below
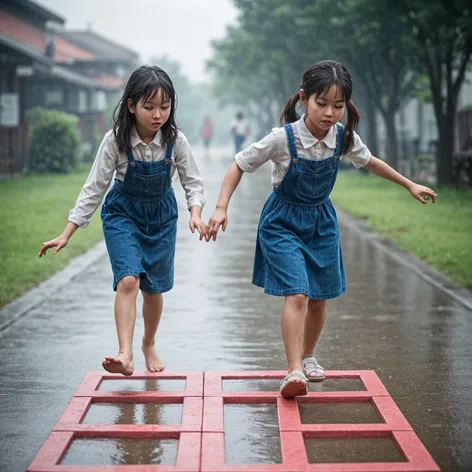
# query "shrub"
(54, 141)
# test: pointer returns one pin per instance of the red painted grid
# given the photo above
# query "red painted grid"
(56, 445)
(77, 409)
(295, 459)
(372, 384)
(293, 432)
(202, 444)
(90, 385)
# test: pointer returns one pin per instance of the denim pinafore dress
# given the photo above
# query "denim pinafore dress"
(298, 248)
(139, 218)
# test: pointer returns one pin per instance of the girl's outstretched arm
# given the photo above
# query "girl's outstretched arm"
(59, 242)
(382, 169)
(220, 216)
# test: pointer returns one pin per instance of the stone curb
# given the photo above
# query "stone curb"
(18, 308)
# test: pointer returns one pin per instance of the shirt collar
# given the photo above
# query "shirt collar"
(135, 139)
(308, 140)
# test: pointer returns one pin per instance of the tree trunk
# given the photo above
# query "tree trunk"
(445, 151)
(392, 141)
(372, 140)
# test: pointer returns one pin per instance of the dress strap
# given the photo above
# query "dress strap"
(339, 140)
(169, 150)
(291, 141)
(129, 155)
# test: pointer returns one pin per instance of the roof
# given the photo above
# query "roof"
(25, 50)
(32, 9)
(35, 38)
(103, 48)
(110, 82)
(74, 77)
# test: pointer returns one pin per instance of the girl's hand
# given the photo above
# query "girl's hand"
(422, 193)
(58, 243)
(197, 223)
(219, 218)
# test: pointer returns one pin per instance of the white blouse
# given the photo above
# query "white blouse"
(109, 160)
(274, 147)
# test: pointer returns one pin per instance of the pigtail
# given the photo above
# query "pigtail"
(353, 118)
(289, 113)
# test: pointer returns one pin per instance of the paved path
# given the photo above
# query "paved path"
(417, 338)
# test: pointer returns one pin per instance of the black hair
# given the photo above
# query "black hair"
(317, 80)
(144, 84)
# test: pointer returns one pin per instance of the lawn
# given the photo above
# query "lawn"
(34, 209)
(439, 234)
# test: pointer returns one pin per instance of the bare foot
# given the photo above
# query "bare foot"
(121, 364)
(153, 362)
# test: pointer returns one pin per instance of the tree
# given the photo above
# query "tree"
(441, 34)
(289, 36)
(244, 75)
(372, 46)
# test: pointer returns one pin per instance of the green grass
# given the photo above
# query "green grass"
(439, 234)
(34, 209)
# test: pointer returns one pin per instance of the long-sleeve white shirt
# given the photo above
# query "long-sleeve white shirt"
(274, 147)
(109, 161)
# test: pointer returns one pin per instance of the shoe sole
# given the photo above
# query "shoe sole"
(294, 388)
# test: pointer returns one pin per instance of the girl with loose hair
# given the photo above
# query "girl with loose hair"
(139, 214)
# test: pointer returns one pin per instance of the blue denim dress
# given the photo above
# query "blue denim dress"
(139, 218)
(298, 247)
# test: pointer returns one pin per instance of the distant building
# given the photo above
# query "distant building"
(111, 65)
(43, 65)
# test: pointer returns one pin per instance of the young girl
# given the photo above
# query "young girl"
(298, 252)
(139, 214)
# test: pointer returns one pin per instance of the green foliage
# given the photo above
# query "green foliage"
(54, 141)
(428, 231)
(34, 209)
(389, 47)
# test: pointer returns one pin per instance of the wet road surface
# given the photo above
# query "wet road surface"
(416, 338)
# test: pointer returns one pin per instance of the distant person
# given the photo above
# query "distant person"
(207, 132)
(298, 250)
(139, 214)
(239, 130)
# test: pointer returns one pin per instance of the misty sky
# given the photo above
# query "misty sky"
(181, 29)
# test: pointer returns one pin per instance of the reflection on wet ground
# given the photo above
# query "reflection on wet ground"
(121, 451)
(339, 413)
(134, 413)
(327, 450)
(128, 385)
(329, 385)
(240, 435)
(415, 337)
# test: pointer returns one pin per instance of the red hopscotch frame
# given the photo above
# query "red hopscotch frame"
(372, 383)
(293, 432)
(69, 426)
(77, 409)
(201, 433)
(91, 384)
(56, 445)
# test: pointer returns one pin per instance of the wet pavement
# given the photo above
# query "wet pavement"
(415, 337)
